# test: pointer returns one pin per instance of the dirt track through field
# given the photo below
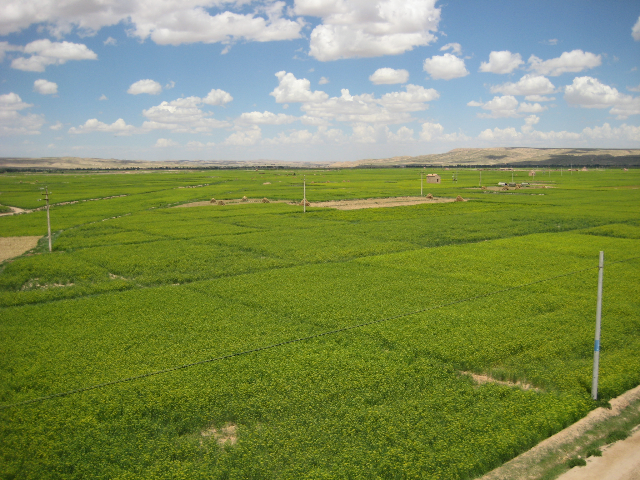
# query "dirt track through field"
(13, 246)
(344, 204)
(523, 467)
(620, 461)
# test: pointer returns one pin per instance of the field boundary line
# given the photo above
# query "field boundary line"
(296, 340)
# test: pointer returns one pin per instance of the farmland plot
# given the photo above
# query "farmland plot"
(502, 285)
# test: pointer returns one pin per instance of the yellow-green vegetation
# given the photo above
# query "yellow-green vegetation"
(134, 286)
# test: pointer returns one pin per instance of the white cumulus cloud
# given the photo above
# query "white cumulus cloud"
(403, 135)
(12, 122)
(500, 107)
(531, 108)
(292, 138)
(389, 76)
(45, 52)
(265, 118)
(529, 122)
(369, 28)
(539, 98)
(7, 47)
(501, 134)
(412, 100)
(623, 132)
(529, 84)
(119, 127)
(145, 86)
(320, 109)
(291, 90)
(165, 142)
(501, 62)
(431, 131)
(456, 48)
(322, 136)
(573, 61)
(217, 97)
(635, 31)
(445, 67)
(167, 22)
(244, 137)
(588, 92)
(45, 87)
(183, 115)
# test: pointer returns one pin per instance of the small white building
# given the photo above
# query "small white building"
(433, 178)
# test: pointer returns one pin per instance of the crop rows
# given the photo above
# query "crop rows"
(452, 288)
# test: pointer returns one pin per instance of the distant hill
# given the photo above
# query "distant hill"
(71, 163)
(511, 156)
(460, 156)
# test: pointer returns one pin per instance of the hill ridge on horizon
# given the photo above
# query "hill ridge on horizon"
(458, 156)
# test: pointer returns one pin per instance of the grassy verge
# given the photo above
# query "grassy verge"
(591, 443)
(556, 461)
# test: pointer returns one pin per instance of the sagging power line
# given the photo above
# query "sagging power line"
(296, 340)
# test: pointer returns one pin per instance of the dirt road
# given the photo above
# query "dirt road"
(527, 465)
(619, 461)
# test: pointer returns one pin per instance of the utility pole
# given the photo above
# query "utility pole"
(596, 347)
(304, 194)
(421, 184)
(480, 182)
(46, 196)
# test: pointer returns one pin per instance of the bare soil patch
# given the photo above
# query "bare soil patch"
(35, 283)
(505, 188)
(223, 436)
(341, 204)
(480, 379)
(380, 202)
(214, 202)
(14, 211)
(11, 247)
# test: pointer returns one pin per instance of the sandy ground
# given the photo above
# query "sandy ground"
(523, 466)
(14, 210)
(13, 246)
(379, 202)
(344, 204)
(619, 461)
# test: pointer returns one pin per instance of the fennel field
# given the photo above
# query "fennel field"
(203, 328)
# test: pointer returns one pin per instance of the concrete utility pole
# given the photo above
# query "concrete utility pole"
(304, 194)
(596, 347)
(46, 196)
(421, 184)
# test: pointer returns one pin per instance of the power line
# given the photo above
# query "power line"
(296, 340)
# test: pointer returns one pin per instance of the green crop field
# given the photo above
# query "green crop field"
(202, 328)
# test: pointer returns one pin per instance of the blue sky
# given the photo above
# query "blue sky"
(314, 80)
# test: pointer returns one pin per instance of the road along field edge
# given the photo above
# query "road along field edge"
(523, 466)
